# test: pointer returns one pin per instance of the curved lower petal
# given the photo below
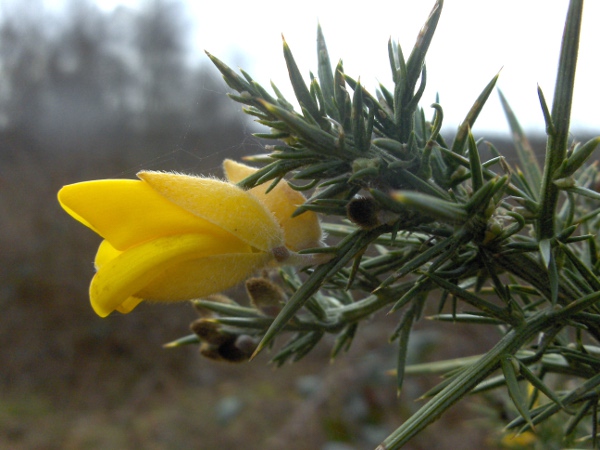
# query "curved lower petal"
(301, 232)
(131, 271)
(222, 204)
(128, 212)
(201, 277)
(128, 305)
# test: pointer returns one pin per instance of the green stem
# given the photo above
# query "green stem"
(362, 309)
(347, 249)
(474, 374)
(461, 386)
(556, 147)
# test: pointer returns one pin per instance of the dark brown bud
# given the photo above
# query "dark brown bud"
(239, 349)
(210, 351)
(209, 332)
(364, 212)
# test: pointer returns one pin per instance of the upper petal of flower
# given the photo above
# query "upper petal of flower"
(126, 274)
(222, 204)
(127, 212)
(301, 232)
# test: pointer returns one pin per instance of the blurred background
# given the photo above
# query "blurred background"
(102, 90)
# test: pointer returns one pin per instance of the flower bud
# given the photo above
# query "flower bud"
(364, 212)
(265, 296)
(210, 332)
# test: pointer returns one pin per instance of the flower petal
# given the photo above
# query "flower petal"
(131, 271)
(128, 212)
(301, 232)
(222, 204)
(128, 305)
(106, 252)
(201, 277)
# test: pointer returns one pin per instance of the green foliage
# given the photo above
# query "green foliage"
(512, 248)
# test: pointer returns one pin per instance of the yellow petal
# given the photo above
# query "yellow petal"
(127, 212)
(202, 277)
(222, 204)
(131, 271)
(106, 252)
(301, 232)
(128, 305)
(189, 279)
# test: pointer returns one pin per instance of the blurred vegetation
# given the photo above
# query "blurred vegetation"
(89, 95)
(86, 94)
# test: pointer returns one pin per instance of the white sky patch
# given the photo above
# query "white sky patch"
(473, 41)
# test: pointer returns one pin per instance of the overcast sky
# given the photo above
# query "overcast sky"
(474, 40)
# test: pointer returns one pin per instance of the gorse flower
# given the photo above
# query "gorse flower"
(170, 237)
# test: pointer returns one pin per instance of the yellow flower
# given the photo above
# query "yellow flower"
(170, 237)
(518, 441)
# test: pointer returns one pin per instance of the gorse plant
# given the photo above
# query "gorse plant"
(429, 221)
(418, 220)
